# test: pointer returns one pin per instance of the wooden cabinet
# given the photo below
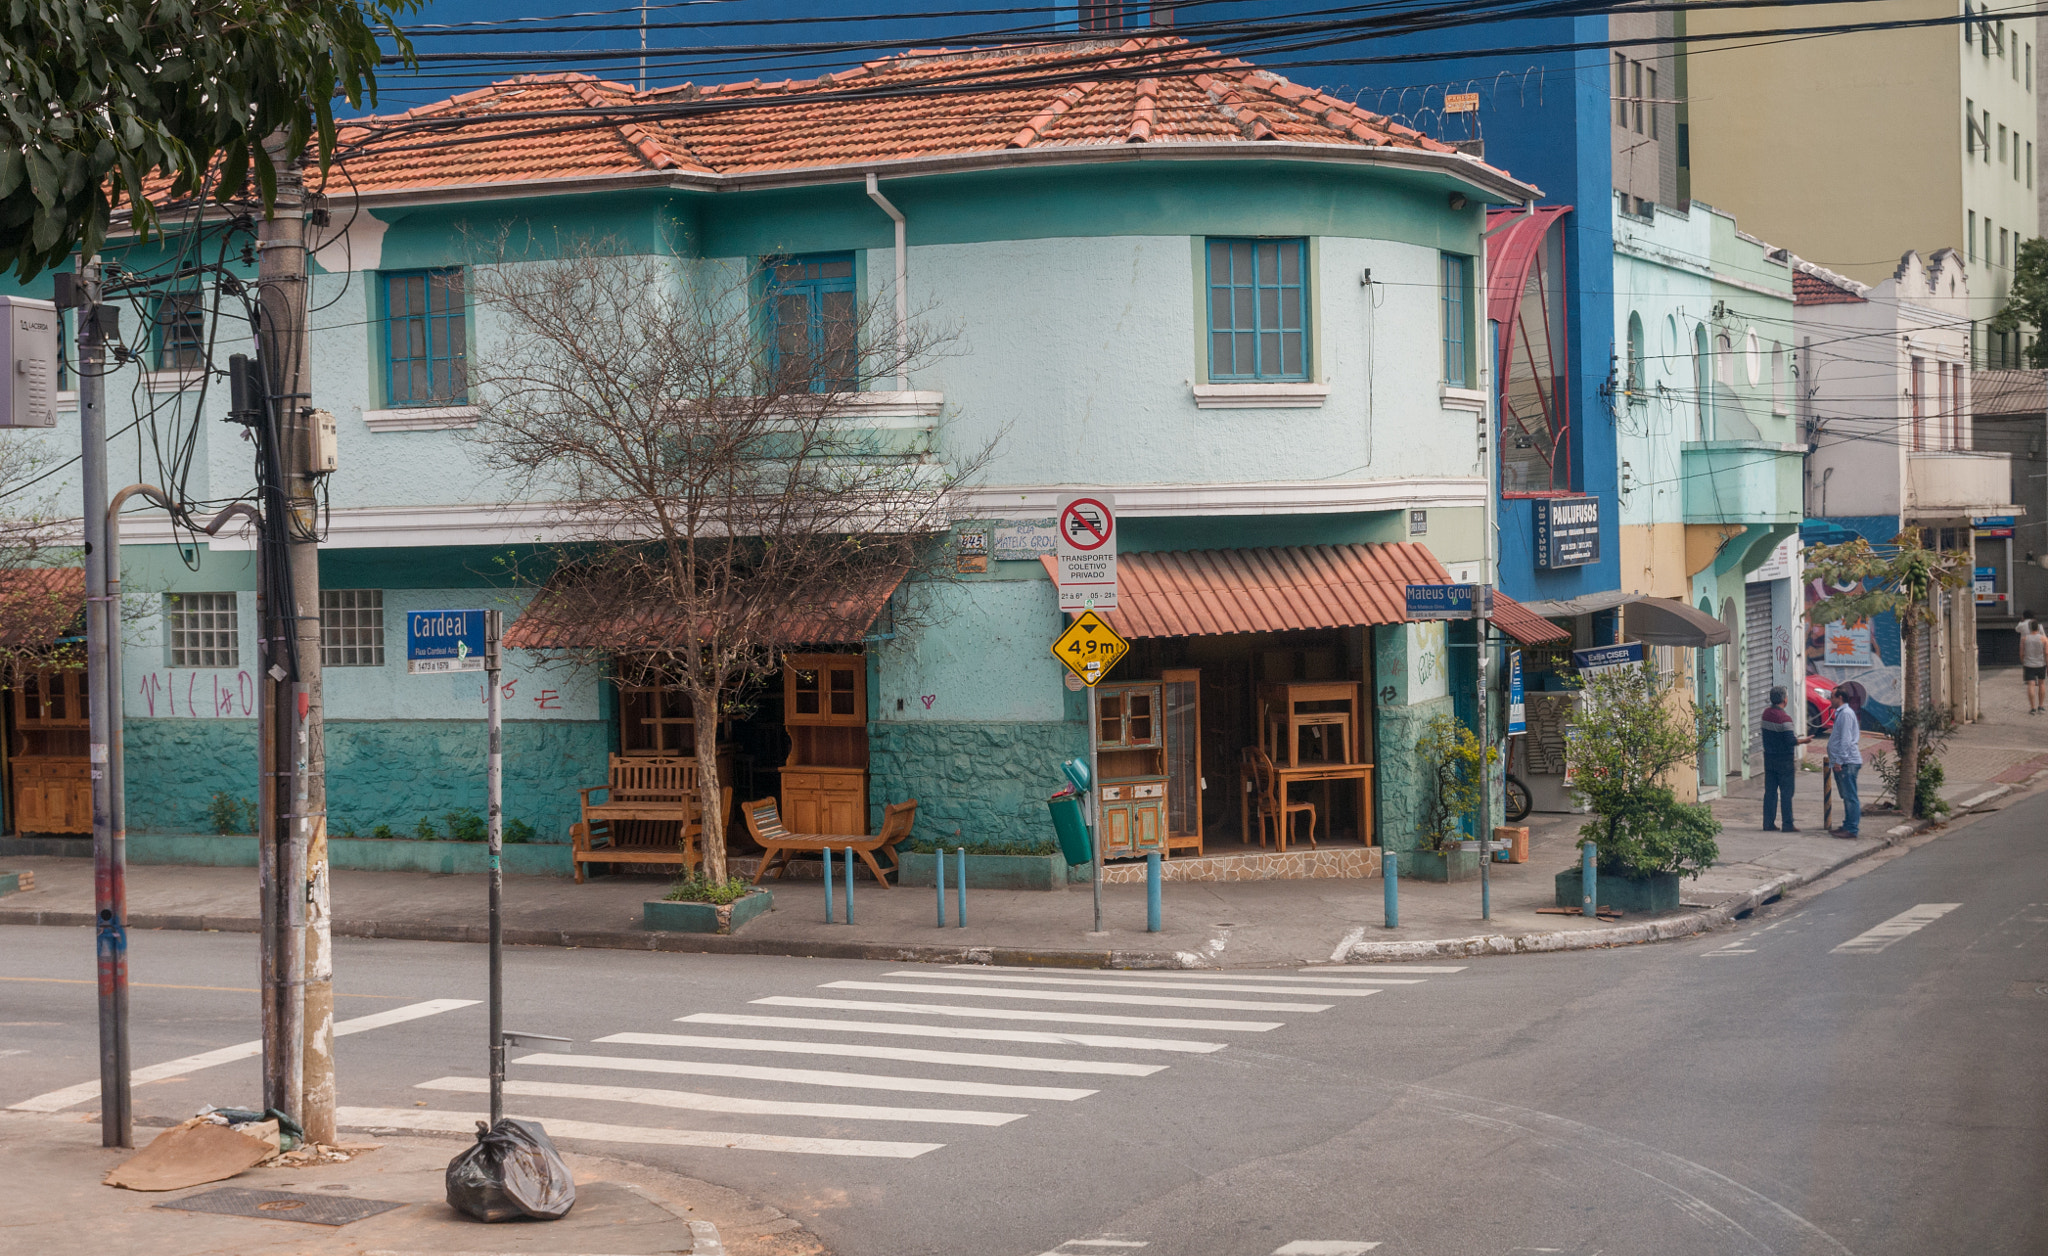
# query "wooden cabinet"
(47, 768)
(1130, 731)
(825, 712)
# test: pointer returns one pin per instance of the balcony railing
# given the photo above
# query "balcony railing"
(1742, 481)
(1958, 482)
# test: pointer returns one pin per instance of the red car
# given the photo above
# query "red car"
(1820, 713)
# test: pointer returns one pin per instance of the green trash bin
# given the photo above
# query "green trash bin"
(1071, 826)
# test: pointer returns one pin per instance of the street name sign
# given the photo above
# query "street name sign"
(1449, 601)
(444, 641)
(1086, 552)
(1089, 647)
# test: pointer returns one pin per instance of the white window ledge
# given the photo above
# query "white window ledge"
(420, 419)
(887, 405)
(67, 399)
(171, 381)
(1473, 399)
(1259, 395)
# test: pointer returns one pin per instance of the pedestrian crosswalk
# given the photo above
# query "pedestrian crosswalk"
(890, 1051)
(1120, 1245)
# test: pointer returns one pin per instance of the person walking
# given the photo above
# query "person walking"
(1781, 761)
(1845, 760)
(2034, 664)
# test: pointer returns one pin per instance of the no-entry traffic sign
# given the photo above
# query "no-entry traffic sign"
(1087, 552)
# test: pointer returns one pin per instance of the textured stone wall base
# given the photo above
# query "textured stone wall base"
(1294, 865)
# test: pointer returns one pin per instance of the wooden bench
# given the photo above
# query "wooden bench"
(778, 845)
(649, 815)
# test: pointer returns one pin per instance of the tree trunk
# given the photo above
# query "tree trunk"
(710, 790)
(1909, 711)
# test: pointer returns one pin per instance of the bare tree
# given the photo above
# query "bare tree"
(697, 427)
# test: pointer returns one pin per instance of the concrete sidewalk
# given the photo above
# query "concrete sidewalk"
(1206, 923)
(58, 1206)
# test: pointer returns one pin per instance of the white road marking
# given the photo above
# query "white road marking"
(465, 1123)
(863, 1051)
(1387, 968)
(1078, 996)
(1004, 1013)
(696, 1102)
(1145, 976)
(1906, 923)
(85, 1092)
(1321, 992)
(1047, 1037)
(1106, 1244)
(805, 1076)
(1324, 1247)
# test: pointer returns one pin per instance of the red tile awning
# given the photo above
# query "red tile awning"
(1195, 593)
(1523, 624)
(560, 620)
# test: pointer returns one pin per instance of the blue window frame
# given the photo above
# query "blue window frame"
(426, 345)
(180, 332)
(1457, 280)
(1258, 309)
(811, 317)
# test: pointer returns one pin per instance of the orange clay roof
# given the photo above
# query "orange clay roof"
(918, 105)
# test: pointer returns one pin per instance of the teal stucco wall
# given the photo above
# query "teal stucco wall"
(975, 784)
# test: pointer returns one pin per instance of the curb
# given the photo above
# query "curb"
(1684, 926)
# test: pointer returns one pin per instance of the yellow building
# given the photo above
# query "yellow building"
(1853, 149)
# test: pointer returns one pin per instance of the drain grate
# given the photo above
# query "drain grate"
(2027, 990)
(283, 1206)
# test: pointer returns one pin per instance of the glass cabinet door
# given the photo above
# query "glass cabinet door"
(1109, 719)
(1143, 708)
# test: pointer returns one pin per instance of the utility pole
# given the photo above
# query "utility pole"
(102, 638)
(282, 282)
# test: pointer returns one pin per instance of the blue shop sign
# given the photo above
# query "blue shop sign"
(1518, 721)
(444, 641)
(1604, 657)
(1449, 601)
(1567, 531)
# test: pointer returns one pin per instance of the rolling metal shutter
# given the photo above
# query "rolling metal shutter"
(1756, 656)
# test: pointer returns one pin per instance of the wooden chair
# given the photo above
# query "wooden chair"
(649, 815)
(1274, 808)
(778, 844)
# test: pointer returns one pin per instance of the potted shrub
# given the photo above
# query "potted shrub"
(696, 904)
(1450, 758)
(1630, 730)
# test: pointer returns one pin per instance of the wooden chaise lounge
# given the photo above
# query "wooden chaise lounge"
(764, 821)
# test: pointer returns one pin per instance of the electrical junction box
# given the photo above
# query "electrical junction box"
(28, 346)
(326, 443)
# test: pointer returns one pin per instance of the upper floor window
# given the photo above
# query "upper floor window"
(351, 627)
(1724, 359)
(1703, 385)
(203, 629)
(1778, 380)
(180, 332)
(1258, 309)
(1457, 281)
(426, 361)
(1636, 381)
(812, 323)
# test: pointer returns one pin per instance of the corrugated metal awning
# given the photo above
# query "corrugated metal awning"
(1197, 593)
(559, 619)
(1523, 624)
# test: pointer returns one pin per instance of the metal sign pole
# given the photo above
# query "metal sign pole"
(1480, 606)
(1094, 808)
(494, 776)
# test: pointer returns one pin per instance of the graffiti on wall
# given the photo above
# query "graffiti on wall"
(199, 695)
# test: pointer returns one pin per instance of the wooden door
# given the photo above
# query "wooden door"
(1182, 695)
(1116, 828)
(1148, 826)
(844, 801)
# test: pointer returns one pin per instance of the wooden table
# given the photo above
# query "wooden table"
(1318, 773)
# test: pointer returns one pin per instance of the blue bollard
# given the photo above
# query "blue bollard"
(1152, 892)
(1390, 873)
(961, 859)
(828, 885)
(849, 880)
(1589, 893)
(939, 879)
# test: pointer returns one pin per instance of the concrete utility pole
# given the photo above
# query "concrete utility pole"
(102, 638)
(282, 282)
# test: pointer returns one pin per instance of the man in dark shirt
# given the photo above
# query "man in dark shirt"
(1781, 761)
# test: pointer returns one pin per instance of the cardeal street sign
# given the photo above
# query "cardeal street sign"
(444, 641)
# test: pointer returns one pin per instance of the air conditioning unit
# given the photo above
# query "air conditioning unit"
(28, 346)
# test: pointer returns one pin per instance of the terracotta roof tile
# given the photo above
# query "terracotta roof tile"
(923, 104)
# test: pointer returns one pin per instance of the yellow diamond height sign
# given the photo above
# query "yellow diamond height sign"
(1089, 647)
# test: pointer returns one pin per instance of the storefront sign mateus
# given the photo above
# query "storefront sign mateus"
(1567, 531)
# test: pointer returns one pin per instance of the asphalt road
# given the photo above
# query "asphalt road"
(1859, 1072)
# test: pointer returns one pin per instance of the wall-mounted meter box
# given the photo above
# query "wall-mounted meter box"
(28, 347)
(326, 443)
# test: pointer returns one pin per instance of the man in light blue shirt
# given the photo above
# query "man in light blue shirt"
(1845, 760)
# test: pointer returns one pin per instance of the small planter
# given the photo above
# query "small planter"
(667, 917)
(1654, 893)
(989, 872)
(1453, 865)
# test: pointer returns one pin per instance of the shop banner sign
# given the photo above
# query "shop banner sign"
(1518, 716)
(1987, 585)
(1991, 527)
(444, 641)
(1567, 531)
(1449, 601)
(1848, 645)
(1602, 658)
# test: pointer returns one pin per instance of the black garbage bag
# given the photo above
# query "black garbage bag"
(513, 1171)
